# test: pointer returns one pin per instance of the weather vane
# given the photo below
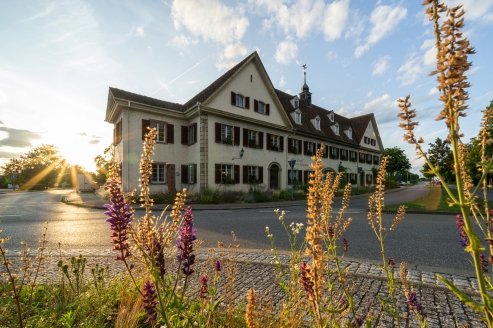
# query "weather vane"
(304, 67)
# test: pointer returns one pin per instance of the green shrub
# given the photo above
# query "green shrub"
(285, 194)
(32, 186)
(299, 195)
(275, 194)
(209, 196)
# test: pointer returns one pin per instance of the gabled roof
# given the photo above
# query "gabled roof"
(310, 112)
(359, 124)
(125, 95)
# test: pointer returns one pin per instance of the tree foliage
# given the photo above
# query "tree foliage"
(41, 166)
(398, 163)
(103, 163)
(440, 154)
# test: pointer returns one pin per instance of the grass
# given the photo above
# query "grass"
(434, 200)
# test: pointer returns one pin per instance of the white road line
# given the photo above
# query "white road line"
(273, 211)
(10, 215)
(12, 206)
(351, 212)
(217, 211)
(29, 205)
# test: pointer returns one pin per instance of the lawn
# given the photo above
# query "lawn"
(434, 200)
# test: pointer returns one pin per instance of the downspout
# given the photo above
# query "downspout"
(201, 151)
(287, 159)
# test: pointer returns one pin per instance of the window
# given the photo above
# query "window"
(261, 107)
(297, 117)
(252, 174)
(158, 173)
(317, 123)
(227, 174)
(369, 179)
(368, 159)
(376, 160)
(309, 148)
(361, 157)
(336, 129)
(160, 131)
(293, 146)
(191, 134)
(117, 132)
(331, 117)
(274, 142)
(239, 100)
(227, 134)
(344, 154)
(352, 156)
(352, 178)
(373, 142)
(350, 134)
(296, 103)
(252, 139)
(191, 173)
(334, 153)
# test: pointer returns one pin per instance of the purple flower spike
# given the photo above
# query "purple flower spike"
(306, 282)
(391, 262)
(344, 245)
(330, 231)
(150, 301)
(185, 243)
(358, 322)
(217, 266)
(204, 289)
(159, 258)
(119, 217)
(463, 239)
(412, 300)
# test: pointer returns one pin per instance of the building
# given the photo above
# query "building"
(239, 130)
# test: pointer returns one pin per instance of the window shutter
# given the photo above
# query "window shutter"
(237, 136)
(218, 133)
(260, 174)
(281, 143)
(145, 125)
(338, 153)
(194, 174)
(300, 176)
(233, 98)
(331, 151)
(170, 133)
(326, 152)
(267, 109)
(218, 173)
(305, 146)
(255, 105)
(245, 137)
(267, 141)
(184, 174)
(194, 126)
(290, 149)
(247, 102)
(245, 173)
(261, 140)
(237, 173)
(184, 135)
(299, 146)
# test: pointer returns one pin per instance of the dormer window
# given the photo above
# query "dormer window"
(331, 117)
(296, 103)
(336, 129)
(350, 133)
(317, 123)
(297, 117)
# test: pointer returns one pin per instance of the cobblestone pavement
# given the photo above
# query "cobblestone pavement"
(255, 269)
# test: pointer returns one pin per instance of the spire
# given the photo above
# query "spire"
(305, 94)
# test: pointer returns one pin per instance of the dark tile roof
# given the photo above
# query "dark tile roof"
(122, 94)
(310, 112)
(359, 124)
(207, 92)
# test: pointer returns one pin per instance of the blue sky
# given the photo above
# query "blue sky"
(58, 59)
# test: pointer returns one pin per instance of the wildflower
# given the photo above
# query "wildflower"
(119, 217)
(185, 243)
(344, 245)
(217, 266)
(343, 304)
(358, 322)
(159, 258)
(484, 263)
(305, 281)
(463, 239)
(204, 289)
(251, 313)
(330, 231)
(391, 262)
(412, 300)
(150, 301)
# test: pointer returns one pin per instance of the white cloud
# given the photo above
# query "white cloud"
(369, 94)
(286, 51)
(331, 56)
(235, 50)
(222, 64)
(181, 41)
(384, 19)
(381, 65)
(210, 19)
(335, 18)
(305, 16)
(357, 26)
(474, 8)
(282, 82)
(3, 98)
(42, 13)
(376, 103)
(140, 31)
(410, 71)
(433, 91)
(288, 92)
(430, 56)
(149, 48)
(488, 18)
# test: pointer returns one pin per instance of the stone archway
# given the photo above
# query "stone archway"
(274, 176)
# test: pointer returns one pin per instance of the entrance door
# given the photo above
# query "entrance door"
(274, 177)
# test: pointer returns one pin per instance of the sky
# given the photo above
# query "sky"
(58, 59)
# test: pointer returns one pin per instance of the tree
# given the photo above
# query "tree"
(40, 166)
(439, 154)
(398, 163)
(103, 164)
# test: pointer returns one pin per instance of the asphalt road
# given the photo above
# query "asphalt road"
(428, 242)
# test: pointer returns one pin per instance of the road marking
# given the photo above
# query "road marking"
(29, 205)
(273, 211)
(10, 215)
(12, 206)
(217, 211)
(351, 212)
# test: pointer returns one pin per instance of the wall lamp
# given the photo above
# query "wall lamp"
(242, 151)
